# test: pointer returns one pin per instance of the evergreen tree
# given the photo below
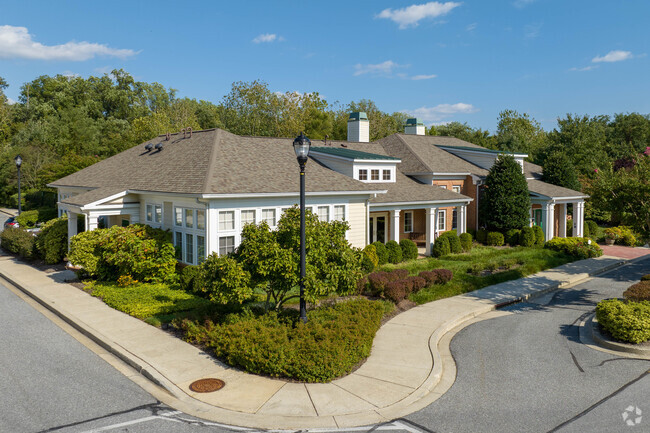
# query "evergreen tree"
(505, 203)
(558, 170)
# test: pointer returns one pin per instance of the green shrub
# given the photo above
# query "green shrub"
(527, 237)
(472, 232)
(638, 292)
(371, 252)
(539, 235)
(495, 239)
(454, 242)
(146, 300)
(625, 321)
(409, 249)
(47, 213)
(441, 247)
(329, 345)
(465, 241)
(582, 248)
(394, 252)
(18, 241)
(140, 251)
(592, 228)
(27, 219)
(512, 237)
(382, 252)
(585, 230)
(225, 280)
(481, 236)
(366, 264)
(190, 280)
(52, 242)
(645, 277)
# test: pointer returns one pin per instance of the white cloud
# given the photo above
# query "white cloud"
(16, 42)
(384, 68)
(70, 74)
(586, 68)
(532, 30)
(10, 101)
(441, 112)
(613, 56)
(103, 70)
(267, 37)
(411, 15)
(423, 77)
(471, 27)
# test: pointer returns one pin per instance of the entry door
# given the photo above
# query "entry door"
(377, 229)
(538, 217)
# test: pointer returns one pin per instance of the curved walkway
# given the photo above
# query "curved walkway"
(410, 365)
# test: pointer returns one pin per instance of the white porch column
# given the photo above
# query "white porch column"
(431, 227)
(461, 221)
(548, 220)
(72, 226)
(578, 218)
(562, 222)
(394, 225)
(92, 224)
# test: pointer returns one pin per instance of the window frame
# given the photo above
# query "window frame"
(442, 217)
(194, 231)
(410, 214)
(363, 174)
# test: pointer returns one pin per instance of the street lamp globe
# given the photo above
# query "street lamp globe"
(18, 160)
(301, 146)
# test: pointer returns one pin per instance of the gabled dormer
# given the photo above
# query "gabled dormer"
(481, 157)
(362, 166)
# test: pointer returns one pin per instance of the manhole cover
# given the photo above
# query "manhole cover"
(207, 385)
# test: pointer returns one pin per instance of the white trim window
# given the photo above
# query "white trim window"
(189, 234)
(247, 217)
(454, 219)
(408, 221)
(339, 212)
(226, 245)
(443, 186)
(385, 175)
(374, 174)
(442, 220)
(363, 174)
(226, 220)
(324, 213)
(268, 215)
(456, 188)
(153, 213)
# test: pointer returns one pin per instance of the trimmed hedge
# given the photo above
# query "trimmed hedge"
(329, 345)
(454, 243)
(481, 236)
(527, 237)
(394, 252)
(539, 235)
(436, 276)
(495, 239)
(512, 237)
(409, 249)
(638, 292)
(441, 247)
(465, 241)
(582, 248)
(52, 242)
(625, 321)
(18, 241)
(27, 219)
(382, 252)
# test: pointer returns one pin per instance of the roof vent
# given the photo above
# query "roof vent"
(186, 131)
(159, 146)
(358, 127)
(414, 126)
(148, 146)
(168, 137)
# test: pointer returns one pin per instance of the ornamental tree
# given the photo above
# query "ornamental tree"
(505, 203)
(273, 258)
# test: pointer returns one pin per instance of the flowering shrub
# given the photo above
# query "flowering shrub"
(582, 248)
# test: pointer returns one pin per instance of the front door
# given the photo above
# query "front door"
(537, 213)
(377, 229)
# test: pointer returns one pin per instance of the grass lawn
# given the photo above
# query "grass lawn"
(521, 262)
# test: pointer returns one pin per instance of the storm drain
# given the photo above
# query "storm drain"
(207, 385)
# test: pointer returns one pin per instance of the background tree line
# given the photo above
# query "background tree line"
(61, 124)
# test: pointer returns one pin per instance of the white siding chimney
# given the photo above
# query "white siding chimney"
(414, 127)
(358, 127)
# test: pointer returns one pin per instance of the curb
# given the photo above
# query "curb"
(592, 326)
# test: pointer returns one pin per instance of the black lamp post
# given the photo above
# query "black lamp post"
(19, 161)
(301, 146)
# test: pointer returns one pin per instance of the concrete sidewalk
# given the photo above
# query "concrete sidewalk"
(410, 365)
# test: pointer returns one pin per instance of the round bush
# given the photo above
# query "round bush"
(592, 227)
(512, 237)
(409, 249)
(481, 236)
(527, 237)
(27, 219)
(382, 252)
(366, 263)
(18, 241)
(454, 243)
(394, 252)
(441, 247)
(465, 241)
(539, 235)
(495, 239)
(638, 292)
(625, 321)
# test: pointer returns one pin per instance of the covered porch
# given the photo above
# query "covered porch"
(421, 223)
(553, 215)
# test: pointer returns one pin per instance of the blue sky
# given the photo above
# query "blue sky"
(442, 61)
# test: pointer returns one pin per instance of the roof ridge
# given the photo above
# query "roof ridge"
(414, 152)
(213, 160)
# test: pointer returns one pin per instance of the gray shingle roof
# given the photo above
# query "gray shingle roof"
(406, 189)
(553, 191)
(532, 170)
(351, 154)
(92, 196)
